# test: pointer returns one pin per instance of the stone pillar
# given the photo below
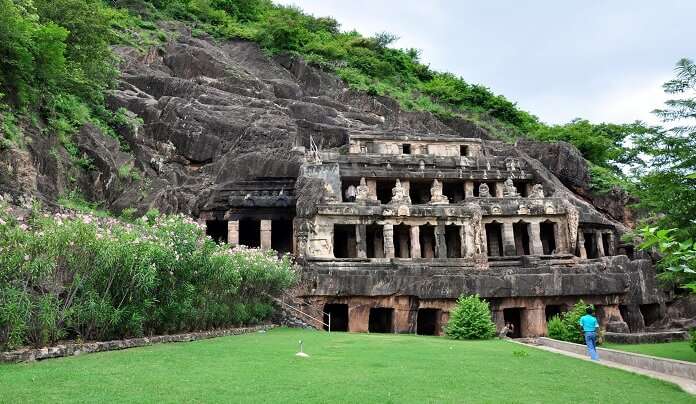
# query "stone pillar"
(468, 240)
(560, 230)
(463, 249)
(388, 241)
(358, 318)
(361, 240)
(533, 322)
(233, 233)
(612, 244)
(415, 242)
(581, 245)
(499, 320)
(440, 241)
(468, 189)
(535, 247)
(599, 243)
(498, 189)
(266, 234)
(508, 240)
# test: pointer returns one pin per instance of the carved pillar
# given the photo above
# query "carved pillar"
(463, 249)
(415, 242)
(533, 322)
(469, 240)
(581, 245)
(612, 244)
(599, 243)
(233, 233)
(361, 240)
(440, 241)
(266, 234)
(498, 189)
(468, 189)
(508, 240)
(535, 247)
(560, 230)
(358, 318)
(389, 241)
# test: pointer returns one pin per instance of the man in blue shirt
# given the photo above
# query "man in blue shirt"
(589, 326)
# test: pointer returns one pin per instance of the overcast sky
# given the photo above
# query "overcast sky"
(600, 60)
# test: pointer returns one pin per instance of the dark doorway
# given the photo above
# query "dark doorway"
(381, 320)
(281, 235)
(454, 241)
(384, 190)
(547, 232)
(494, 239)
(590, 245)
(419, 192)
(463, 150)
(250, 233)
(606, 237)
(521, 188)
(454, 191)
(406, 148)
(521, 231)
(339, 316)
(344, 241)
(650, 312)
(428, 322)
(402, 241)
(514, 317)
(217, 230)
(375, 241)
(345, 184)
(427, 241)
(552, 310)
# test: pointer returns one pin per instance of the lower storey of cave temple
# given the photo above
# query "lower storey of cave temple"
(391, 230)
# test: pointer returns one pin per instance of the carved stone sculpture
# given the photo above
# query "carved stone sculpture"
(484, 191)
(436, 196)
(329, 194)
(363, 192)
(537, 191)
(509, 189)
(399, 195)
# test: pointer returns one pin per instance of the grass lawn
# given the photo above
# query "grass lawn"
(343, 367)
(673, 350)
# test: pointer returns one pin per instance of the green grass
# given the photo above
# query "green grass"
(342, 368)
(673, 350)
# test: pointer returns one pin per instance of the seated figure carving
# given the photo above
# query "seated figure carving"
(509, 189)
(362, 191)
(436, 196)
(399, 195)
(329, 195)
(484, 191)
(537, 191)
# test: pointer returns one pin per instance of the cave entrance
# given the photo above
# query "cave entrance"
(514, 317)
(521, 188)
(250, 233)
(339, 316)
(552, 310)
(494, 239)
(463, 150)
(344, 243)
(547, 233)
(453, 238)
(374, 234)
(521, 232)
(650, 312)
(384, 190)
(606, 242)
(217, 230)
(427, 240)
(590, 245)
(428, 322)
(406, 148)
(402, 241)
(419, 192)
(281, 235)
(453, 190)
(381, 320)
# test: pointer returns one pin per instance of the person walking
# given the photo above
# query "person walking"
(590, 327)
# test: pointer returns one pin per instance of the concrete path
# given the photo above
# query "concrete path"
(687, 385)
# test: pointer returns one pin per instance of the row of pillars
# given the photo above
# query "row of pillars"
(535, 241)
(264, 237)
(597, 244)
(387, 245)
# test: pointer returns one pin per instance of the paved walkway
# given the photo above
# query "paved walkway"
(687, 385)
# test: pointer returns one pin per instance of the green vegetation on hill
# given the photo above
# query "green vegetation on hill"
(342, 367)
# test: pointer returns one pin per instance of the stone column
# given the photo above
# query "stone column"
(440, 241)
(533, 322)
(361, 240)
(358, 318)
(463, 249)
(468, 189)
(612, 244)
(535, 247)
(266, 234)
(581, 245)
(499, 320)
(388, 241)
(233, 233)
(498, 189)
(508, 240)
(468, 240)
(560, 230)
(415, 242)
(599, 243)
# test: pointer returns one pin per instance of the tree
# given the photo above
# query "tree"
(470, 319)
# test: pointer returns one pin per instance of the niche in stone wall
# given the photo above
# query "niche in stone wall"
(384, 190)
(427, 240)
(463, 150)
(381, 320)
(453, 190)
(339, 316)
(454, 241)
(521, 232)
(521, 188)
(606, 243)
(419, 191)
(494, 239)
(345, 184)
(591, 245)
(217, 230)
(402, 241)
(281, 235)
(428, 322)
(250, 233)
(374, 240)
(491, 188)
(344, 242)
(547, 233)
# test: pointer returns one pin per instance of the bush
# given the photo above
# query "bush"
(470, 319)
(566, 327)
(692, 339)
(81, 276)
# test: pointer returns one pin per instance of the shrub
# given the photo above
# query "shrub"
(470, 319)
(566, 327)
(692, 338)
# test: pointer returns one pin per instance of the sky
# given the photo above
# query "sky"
(600, 60)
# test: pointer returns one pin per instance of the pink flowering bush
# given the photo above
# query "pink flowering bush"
(81, 276)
